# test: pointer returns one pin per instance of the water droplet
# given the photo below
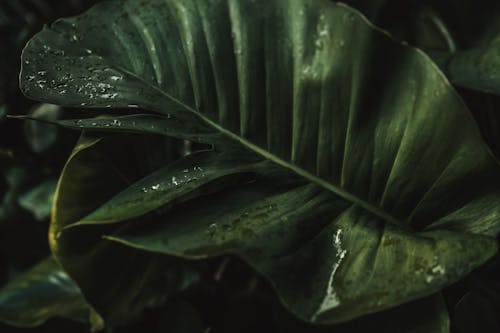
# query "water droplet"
(109, 96)
(331, 299)
(174, 180)
(438, 269)
(155, 187)
(115, 78)
(73, 38)
(41, 83)
(145, 190)
(212, 229)
(42, 73)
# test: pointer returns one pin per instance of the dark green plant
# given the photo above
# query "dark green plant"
(338, 164)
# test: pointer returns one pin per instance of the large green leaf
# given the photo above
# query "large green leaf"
(372, 125)
(43, 292)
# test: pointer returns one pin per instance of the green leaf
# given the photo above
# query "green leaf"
(475, 64)
(178, 182)
(422, 316)
(135, 123)
(38, 200)
(43, 292)
(330, 261)
(117, 281)
(477, 68)
(398, 174)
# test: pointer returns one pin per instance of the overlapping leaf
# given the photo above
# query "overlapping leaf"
(118, 281)
(373, 126)
(102, 184)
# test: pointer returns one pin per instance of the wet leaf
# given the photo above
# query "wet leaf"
(118, 281)
(135, 123)
(401, 196)
(330, 261)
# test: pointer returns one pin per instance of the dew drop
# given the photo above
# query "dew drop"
(212, 229)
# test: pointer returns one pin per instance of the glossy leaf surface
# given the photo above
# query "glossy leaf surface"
(329, 261)
(384, 142)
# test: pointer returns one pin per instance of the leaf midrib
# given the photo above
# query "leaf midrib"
(269, 156)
